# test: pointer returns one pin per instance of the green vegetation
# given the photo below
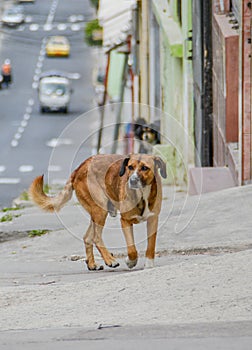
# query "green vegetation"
(4, 210)
(37, 233)
(93, 33)
(46, 188)
(24, 196)
(8, 217)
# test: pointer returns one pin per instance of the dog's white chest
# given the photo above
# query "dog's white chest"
(146, 213)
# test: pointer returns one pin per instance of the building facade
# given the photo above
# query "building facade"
(232, 87)
(190, 64)
(166, 80)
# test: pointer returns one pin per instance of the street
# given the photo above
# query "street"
(28, 137)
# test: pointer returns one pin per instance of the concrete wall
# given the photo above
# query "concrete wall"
(246, 76)
(225, 86)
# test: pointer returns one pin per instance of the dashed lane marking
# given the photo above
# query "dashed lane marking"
(34, 27)
(62, 26)
(14, 143)
(9, 180)
(59, 142)
(27, 116)
(2, 168)
(17, 136)
(26, 168)
(55, 168)
(31, 102)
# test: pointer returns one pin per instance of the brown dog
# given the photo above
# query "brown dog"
(106, 183)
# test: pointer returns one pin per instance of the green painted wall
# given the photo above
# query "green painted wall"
(176, 84)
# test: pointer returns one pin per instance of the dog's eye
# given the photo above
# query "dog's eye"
(130, 167)
(144, 168)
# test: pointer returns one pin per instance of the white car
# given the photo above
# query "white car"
(13, 16)
(54, 92)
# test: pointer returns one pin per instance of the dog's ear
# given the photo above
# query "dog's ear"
(161, 165)
(123, 166)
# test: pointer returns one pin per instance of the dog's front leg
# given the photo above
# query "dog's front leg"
(152, 225)
(131, 260)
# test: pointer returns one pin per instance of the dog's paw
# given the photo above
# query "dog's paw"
(94, 267)
(130, 263)
(149, 263)
(113, 264)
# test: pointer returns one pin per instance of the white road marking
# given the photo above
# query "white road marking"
(47, 27)
(28, 109)
(75, 27)
(25, 168)
(35, 85)
(9, 180)
(31, 102)
(24, 123)
(74, 76)
(34, 27)
(60, 182)
(72, 18)
(76, 18)
(17, 136)
(54, 168)
(42, 51)
(27, 116)
(59, 142)
(20, 129)
(62, 26)
(14, 143)
(2, 168)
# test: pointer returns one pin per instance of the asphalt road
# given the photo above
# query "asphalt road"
(28, 138)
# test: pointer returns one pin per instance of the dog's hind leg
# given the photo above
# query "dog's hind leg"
(88, 241)
(99, 217)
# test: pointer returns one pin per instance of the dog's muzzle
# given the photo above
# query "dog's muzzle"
(135, 182)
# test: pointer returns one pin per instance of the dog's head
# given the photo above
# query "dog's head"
(141, 169)
(149, 135)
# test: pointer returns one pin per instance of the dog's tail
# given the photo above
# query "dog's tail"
(45, 202)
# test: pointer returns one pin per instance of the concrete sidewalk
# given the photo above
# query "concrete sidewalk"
(203, 270)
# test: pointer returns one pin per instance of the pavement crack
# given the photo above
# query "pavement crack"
(205, 251)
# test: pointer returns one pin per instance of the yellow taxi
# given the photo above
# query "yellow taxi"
(57, 46)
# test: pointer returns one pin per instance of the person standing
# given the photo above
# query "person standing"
(6, 72)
